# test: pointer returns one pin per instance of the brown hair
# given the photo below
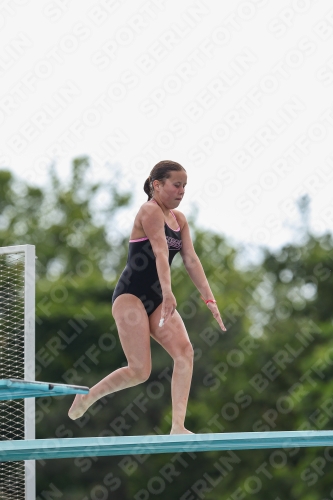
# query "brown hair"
(160, 172)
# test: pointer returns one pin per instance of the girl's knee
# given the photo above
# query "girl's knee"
(140, 373)
(188, 351)
(185, 353)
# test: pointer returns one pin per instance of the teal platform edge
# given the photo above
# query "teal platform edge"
(41, 449)
(17, 389)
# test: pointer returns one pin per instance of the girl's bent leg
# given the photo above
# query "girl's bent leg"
(134, 333)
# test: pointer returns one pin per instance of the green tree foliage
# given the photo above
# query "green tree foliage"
(271, 370)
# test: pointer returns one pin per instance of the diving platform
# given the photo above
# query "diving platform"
(17, 389)
(42, 449)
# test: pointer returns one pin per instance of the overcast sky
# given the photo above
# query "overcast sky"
(239, 93)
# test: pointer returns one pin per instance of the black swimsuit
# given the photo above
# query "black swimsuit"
(140, 276)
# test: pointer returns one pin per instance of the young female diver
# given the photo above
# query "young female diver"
(143, 304)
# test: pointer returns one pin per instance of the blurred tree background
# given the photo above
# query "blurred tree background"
(271, 370)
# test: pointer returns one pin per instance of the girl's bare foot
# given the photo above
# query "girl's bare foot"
(79, 407)
(180, 430)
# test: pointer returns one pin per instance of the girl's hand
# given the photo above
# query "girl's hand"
(216, 313)
(169, 305)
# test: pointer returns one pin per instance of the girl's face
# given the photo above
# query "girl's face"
(174, 189)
